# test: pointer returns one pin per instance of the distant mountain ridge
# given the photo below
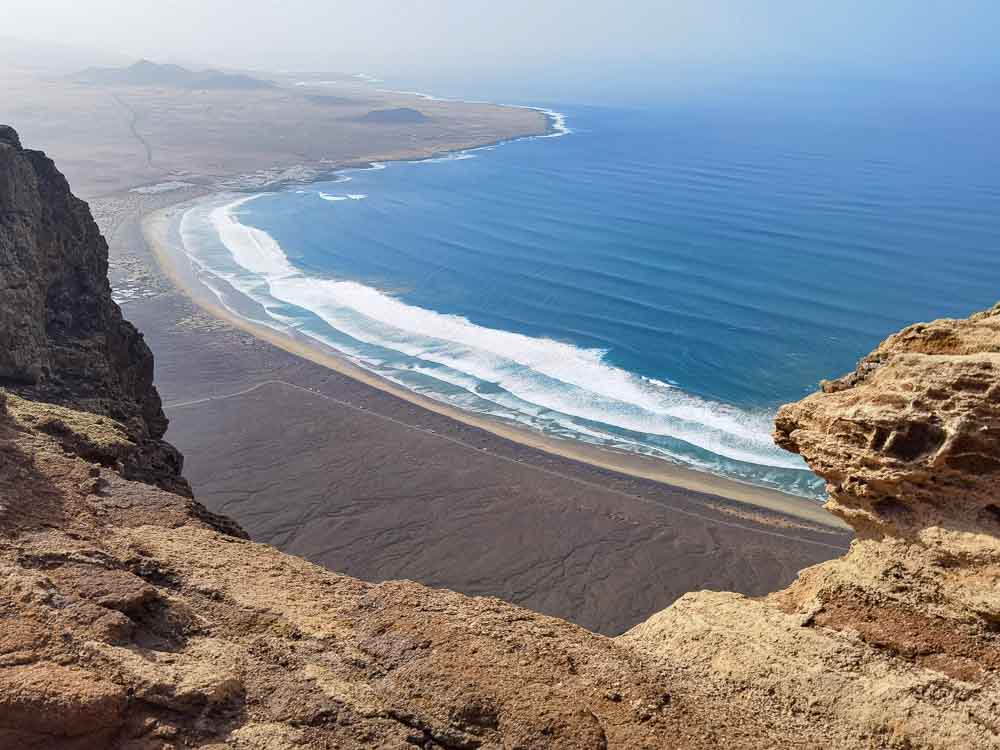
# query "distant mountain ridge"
(148, 73)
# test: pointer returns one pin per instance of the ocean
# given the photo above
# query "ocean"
(655, 279)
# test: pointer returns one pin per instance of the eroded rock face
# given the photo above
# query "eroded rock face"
(130, 619)
(897, 644)
(911, 439)
(62, 337)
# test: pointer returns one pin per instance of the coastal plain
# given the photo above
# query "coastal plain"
(134, 617)
(111, 138)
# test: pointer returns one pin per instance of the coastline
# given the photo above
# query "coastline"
(309, 173)
(175, 264)
(358, 480)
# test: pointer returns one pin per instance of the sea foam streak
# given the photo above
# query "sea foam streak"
(557, 120)
(514, 371)
(347, 197)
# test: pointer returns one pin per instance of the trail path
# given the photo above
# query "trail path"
(135, 132)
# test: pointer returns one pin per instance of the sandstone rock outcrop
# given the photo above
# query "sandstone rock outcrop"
(897, 643)
(130, 617)
(910, 441)
(130, 620)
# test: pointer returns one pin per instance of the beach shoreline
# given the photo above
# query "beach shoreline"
(176, 266)
(359, 476)
(279, 177)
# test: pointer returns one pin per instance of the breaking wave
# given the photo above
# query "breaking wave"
(551, 385)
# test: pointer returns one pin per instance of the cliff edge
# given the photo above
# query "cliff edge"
(896, 644)
(132, 618)
(62, 338)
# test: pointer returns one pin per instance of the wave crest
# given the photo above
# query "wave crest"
(556, 382)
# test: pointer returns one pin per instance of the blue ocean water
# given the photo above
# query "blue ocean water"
(660, 280)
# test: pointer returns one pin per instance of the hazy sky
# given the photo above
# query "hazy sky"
(517, 37)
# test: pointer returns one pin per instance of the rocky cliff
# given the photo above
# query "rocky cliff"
(897, 643)
(131, 618)
(62, 338)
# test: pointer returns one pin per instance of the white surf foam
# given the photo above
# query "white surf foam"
(557, 120)
(547, 374)
(346, 197)
(456, 156)
(161, 187)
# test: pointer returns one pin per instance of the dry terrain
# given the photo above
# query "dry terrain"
(109, 138)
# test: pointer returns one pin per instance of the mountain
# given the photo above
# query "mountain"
(130, 617)
(146, 73)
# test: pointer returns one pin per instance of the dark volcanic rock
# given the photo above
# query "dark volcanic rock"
(62, 338)
(396, 116)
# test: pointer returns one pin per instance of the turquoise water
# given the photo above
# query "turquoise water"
(659, 280)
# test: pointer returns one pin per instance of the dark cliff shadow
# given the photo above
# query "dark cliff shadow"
(29, 499)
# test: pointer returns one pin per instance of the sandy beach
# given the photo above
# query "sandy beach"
(176, 265)
(328, 461)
